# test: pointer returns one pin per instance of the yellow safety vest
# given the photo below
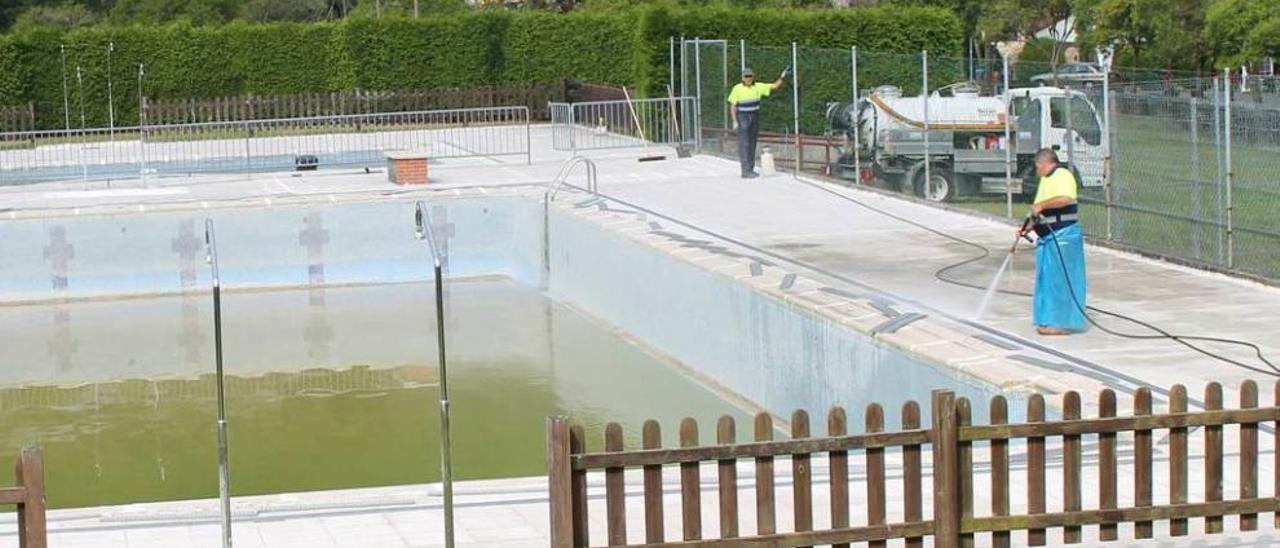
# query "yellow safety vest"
(1059, 183)
(748, 98)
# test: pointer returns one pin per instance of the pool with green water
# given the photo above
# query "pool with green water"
(327, 389)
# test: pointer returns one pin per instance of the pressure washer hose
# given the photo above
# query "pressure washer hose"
(940, 274)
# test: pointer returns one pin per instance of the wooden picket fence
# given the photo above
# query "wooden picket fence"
(303, 105)
(951, 439)
(28, 495)
(14, 118)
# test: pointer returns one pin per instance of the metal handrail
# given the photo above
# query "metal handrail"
(566, 169)
(424, 228)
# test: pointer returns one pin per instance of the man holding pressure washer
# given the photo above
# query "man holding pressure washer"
(744, 100)
(1061, 286)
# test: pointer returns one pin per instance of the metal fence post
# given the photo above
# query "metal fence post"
(1217, 164)
(946, 468)
(795, 104)
(1008, 137)
(1231, 257)
(724, 86)
(1107, 169)
(1196, 245)
(924, 98)
(573, 129)
(1068, 95)
(684, 78)
(697, 81)
(142, 123)
(671, 61)
(857, 138)
(247, 136)
(742, 55)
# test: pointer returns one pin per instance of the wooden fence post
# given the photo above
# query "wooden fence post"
(615, 489)
(726, 434)
(29, 471)
(559, 482)
(946, 464)
(690, 484)
(653, 522)
(766, 517)
(578, 481)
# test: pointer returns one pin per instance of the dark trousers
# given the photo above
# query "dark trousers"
(748, 134)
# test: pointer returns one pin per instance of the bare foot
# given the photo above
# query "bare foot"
(1051, 331)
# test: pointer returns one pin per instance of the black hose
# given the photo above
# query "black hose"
(940, 274)
(1162, 334)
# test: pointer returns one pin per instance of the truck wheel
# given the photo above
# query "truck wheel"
(942, 184)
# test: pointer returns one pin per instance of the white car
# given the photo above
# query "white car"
(1071, 73)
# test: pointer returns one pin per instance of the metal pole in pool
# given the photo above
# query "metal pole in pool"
(66, 94)
(224, 467)
(423, 230)
(924, 97)
(795, 105)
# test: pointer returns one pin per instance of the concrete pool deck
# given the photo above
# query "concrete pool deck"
(803, 228)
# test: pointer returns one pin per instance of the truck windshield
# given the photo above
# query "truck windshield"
(1083, 118)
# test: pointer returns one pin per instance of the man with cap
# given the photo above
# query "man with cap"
(744, 100)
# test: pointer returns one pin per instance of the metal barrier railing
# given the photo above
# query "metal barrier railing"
(260, 145)
(636, 123)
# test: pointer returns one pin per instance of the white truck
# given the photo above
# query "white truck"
(883, 134)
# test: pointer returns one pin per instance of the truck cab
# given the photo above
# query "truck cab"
(1068, 123)
(966, 146)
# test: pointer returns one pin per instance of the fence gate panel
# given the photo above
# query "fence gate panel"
(705, 76)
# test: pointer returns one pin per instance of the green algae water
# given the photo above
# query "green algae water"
(327, 389)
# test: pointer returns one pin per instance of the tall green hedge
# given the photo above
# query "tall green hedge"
(471, 49)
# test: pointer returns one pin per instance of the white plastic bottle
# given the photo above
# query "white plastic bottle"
(766, 162)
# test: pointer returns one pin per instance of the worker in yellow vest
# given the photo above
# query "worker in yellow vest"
(745, 99)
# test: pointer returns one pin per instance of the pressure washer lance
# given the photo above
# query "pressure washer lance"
(1027, 223)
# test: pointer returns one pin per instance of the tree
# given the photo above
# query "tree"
(970, 12)
(1130, 24)
(286, 10)
(200, 12)
(404, 8)
(63, 18)
(1228, 25)
(1264, 40)
(1013, 19)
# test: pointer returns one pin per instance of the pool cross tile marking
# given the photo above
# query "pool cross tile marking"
(314, 237)
(64, 344)
(190, 337)
(59, 254)
(188, 248)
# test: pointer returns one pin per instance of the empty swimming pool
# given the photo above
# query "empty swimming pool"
(330, 349)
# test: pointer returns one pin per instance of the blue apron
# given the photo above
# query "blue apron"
(1053, 303)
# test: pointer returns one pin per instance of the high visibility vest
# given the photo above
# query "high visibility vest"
(748, 98)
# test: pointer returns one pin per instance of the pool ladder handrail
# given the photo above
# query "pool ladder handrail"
(566, 169)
